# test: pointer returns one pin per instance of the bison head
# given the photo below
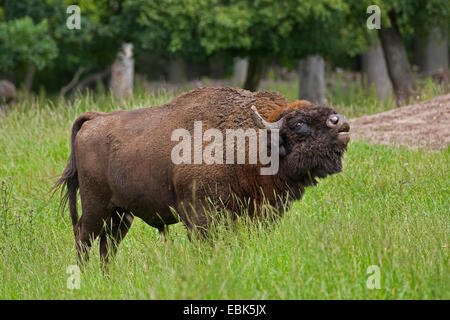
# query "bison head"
(312, 141)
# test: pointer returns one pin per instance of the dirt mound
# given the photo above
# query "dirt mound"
(423, 125)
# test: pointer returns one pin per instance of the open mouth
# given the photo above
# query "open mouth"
(343, 133)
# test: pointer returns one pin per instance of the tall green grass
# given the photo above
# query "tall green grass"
(389, 208)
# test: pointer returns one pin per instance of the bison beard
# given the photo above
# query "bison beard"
(120, 163)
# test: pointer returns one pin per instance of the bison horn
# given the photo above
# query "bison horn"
(263, 124)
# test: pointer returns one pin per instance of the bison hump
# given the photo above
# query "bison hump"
(224, 107)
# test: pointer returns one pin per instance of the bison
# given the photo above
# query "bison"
(122, 166)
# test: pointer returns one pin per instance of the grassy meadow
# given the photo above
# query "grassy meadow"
(388, 208)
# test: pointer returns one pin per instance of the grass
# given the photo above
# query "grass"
(389, 208)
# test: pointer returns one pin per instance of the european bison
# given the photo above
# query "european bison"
(122, 162)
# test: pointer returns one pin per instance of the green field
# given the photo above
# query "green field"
(388, 208)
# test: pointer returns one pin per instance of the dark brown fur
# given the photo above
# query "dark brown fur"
(121, 163)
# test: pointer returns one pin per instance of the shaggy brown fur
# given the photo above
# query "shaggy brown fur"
(278, 113)
(121, 163)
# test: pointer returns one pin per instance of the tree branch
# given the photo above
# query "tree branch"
(72, 83)
(92, 78)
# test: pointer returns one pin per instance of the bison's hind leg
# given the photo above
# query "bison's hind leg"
(114, 230)
(96, 210)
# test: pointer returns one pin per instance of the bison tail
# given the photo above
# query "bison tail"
(68, 182)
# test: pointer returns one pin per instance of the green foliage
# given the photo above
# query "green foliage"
(413, 16)
(285, 30)
(165, 27)
(96, 43)
(46, 37)
(22, 42)
(196, 30)
(420, 16)
(226, 27)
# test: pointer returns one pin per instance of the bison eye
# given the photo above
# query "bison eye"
(301, 128)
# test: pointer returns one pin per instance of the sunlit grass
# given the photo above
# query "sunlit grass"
(389, 208)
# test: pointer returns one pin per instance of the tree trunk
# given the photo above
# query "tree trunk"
(397, 61)
(374, 65)
(431, 52)
(29, 77)
(254, 73)
(311, 71)
(122, 73)
(177, 71)
(239, 70)
(216, 69)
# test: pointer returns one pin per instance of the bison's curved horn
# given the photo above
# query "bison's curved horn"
(263, 124)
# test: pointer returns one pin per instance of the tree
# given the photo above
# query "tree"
(240, 66)
(122, 73)
(90, 49)
(397, 60)
(374, 65)
(25, 44)
(267, 30)
(401, 19)
(427, 23)
(312, 79)
(431, 51)
(411, 17)
(255, 71)
(261, 31)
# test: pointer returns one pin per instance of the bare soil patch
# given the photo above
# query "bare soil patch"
(424, 125)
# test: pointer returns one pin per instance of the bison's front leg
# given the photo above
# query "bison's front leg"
(199, 203)
(196, 216)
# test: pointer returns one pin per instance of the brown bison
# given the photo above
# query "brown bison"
(122, 162)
